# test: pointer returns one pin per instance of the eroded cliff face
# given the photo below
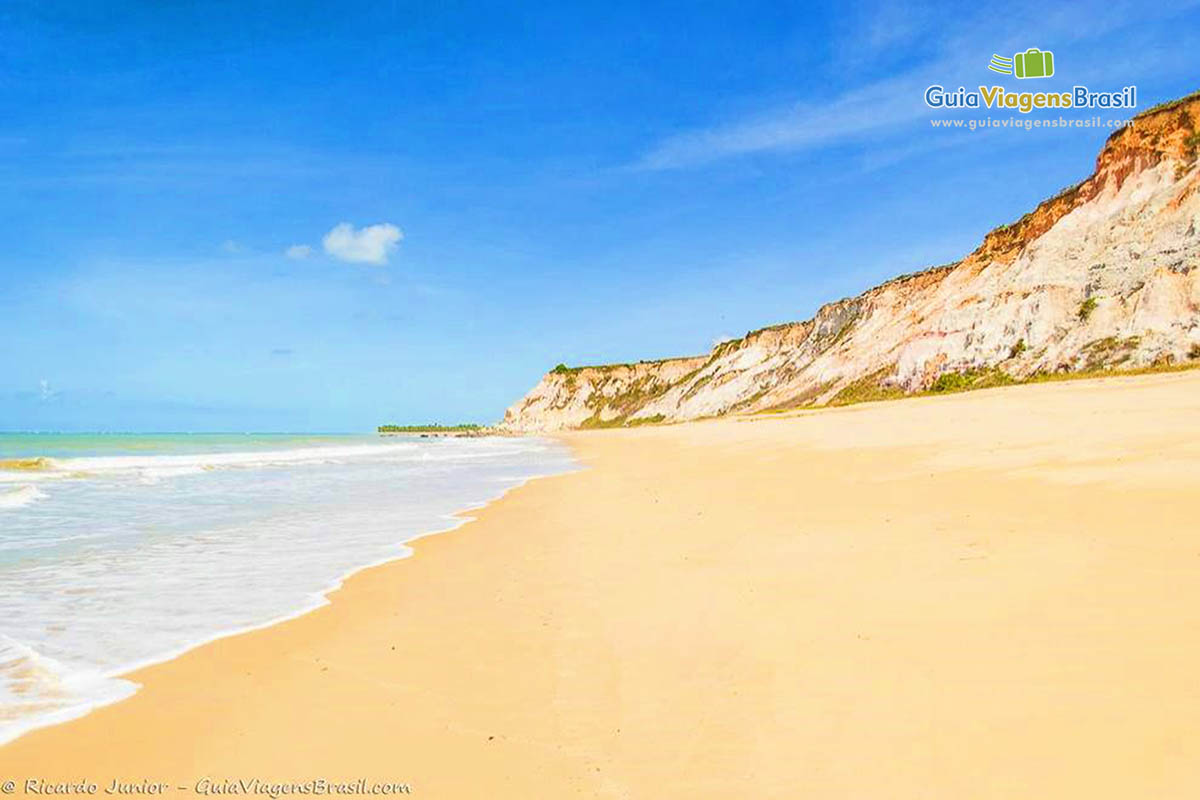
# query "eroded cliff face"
(1105, 274)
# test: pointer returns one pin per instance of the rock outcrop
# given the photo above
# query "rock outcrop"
(1106, 274)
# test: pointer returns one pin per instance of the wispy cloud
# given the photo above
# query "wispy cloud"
(884, 106)
(868, 33)
(878, 105)
(370, 245)
(298, 252)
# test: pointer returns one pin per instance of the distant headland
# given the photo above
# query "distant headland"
(463, 429)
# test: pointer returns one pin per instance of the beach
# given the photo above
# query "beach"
(993, 594)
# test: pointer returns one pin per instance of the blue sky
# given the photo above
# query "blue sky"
(551, 182)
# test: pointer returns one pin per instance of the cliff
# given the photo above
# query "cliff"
(1106, 274)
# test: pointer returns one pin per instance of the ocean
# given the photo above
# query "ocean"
(118, 551)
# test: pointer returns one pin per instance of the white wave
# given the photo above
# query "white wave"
(21, 496)
(122, 575)
(36, 690)
(154, 468)
(152, 475)
(251, 458)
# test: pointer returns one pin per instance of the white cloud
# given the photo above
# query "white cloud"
(298, 251)
(370, 245)
(952, 57)
(883, 104)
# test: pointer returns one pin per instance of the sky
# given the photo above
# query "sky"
(297, 216)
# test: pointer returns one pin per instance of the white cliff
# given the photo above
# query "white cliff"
(1104, 275)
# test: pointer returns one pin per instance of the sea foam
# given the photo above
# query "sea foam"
(21, 496)
(131, 558)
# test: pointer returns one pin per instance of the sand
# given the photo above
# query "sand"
(987, 595)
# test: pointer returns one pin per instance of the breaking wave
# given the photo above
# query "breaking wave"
(128, 558)
(21, 496)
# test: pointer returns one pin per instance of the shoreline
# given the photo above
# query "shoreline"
(316, 600)
(985, 594)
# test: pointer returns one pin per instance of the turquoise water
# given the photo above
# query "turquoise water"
(74, 445)
(122, 550)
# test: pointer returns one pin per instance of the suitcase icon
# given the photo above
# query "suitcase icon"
(1034, 63)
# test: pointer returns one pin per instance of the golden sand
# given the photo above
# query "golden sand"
(988, 595)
